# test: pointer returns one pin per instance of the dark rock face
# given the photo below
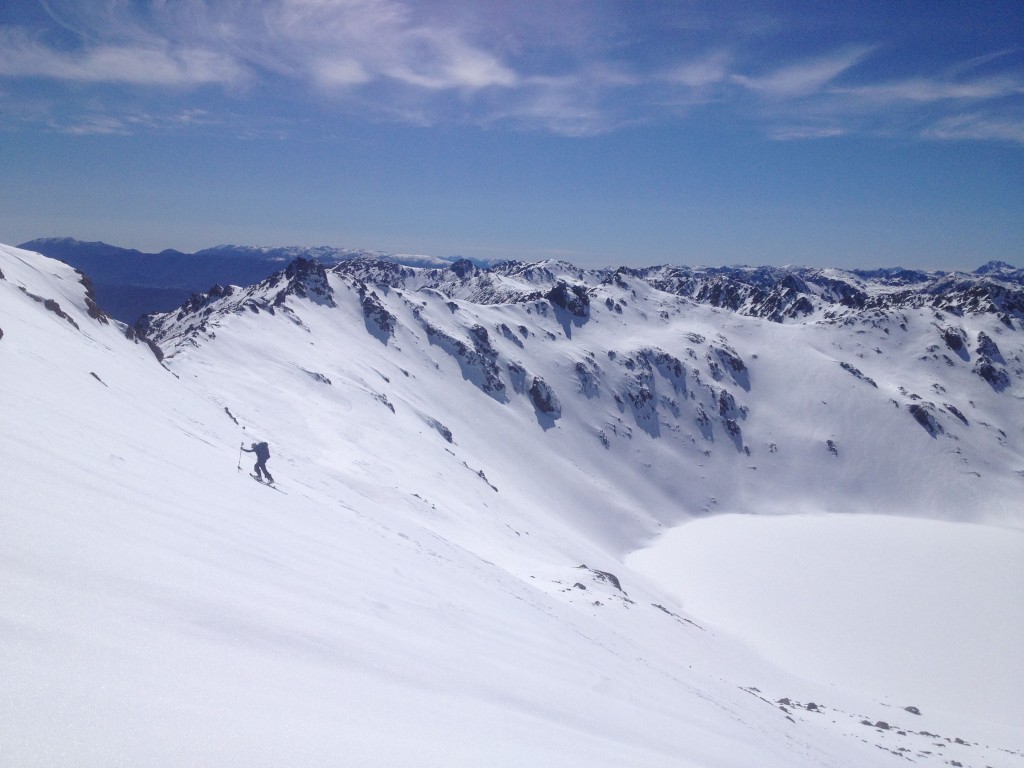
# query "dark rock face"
(605, 576)
(733, 430)
(307, 279)
(318, 377)
(670, 367)
(379, 321)
(479, 363)
(51, 306)
(92, 308)
(924, 415)
(379, 272)
(995, 375)
(956, 412)
(463, 268)
(509, 334)
(956, 340)
(727, 404)
(989, 364)
(588, 375)
(544, 398)
(200, 302)
(641, 389)
(573, 299)
(703, 422)
(722, 359)
(768, 292)
(857, 374)
(988, 348)
(441, 429)
(54, 307)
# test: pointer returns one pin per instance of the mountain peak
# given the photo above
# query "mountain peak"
(991, 267)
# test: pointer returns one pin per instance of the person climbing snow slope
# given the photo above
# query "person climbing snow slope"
(262, 451)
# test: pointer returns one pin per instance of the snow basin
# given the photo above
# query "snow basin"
(905, 610)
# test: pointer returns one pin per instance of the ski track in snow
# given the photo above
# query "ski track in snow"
(396, 609)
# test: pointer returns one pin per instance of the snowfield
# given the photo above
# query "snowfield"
(448, 573)
(902, 609)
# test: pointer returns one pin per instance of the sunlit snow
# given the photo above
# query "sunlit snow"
(443, 574)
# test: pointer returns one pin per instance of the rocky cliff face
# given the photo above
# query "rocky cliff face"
(727, 368)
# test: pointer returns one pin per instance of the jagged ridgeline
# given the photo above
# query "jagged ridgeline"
(853, 389)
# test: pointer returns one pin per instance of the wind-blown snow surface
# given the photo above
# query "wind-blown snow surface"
(439, 579)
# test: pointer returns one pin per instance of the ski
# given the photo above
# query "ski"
(268, 485)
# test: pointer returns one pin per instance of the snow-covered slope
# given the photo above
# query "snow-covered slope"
(439, 577)
(688, 407)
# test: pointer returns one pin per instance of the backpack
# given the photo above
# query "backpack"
(263, 451)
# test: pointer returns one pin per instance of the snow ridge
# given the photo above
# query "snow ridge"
(471, 457)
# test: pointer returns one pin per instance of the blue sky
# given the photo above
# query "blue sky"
(840, 134)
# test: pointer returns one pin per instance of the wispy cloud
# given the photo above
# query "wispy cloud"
(926, 90)
(803, 132)
(128, 123)
(354, 43)
(162, 65)
(711, 69)
(573, 69)
(104, 125)
(803, 78)
(976, 127)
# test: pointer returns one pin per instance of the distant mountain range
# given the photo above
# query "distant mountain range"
(129, 283)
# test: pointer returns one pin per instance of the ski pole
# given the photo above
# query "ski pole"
(240, 447)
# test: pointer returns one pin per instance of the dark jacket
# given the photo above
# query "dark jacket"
(262, 451)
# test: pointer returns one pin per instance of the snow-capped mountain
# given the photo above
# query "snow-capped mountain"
(470, 465)
(129, 283)
(813, 387)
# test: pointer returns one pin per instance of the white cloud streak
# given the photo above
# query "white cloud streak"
(924, 91)
(710, 70)
(977, 127)
(136, 65)
(804, 78)
(538, 65)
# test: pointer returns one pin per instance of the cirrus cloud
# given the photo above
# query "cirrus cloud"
(161, 65)
(573, 69)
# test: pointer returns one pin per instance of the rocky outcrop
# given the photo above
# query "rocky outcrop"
(995, 375)
(588, 374)
(91, 307)
(989, 364)
(956, 412)
(571, 298)
(544, 398)
(640, 389)
(478, 359)
(722, 359)
(924, 414)
(988, 348)
(956, 340)
(306, 279)
(378, 320)
(855, 372)
(52, 306)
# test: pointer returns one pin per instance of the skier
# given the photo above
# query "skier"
(262, 451)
